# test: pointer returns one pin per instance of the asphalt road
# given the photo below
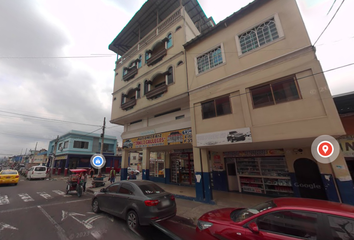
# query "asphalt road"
(39, 209)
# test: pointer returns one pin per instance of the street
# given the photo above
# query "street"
(39, 209)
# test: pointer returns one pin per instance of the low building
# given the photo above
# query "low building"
(75, 148)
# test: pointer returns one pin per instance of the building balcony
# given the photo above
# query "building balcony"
(156, 57)
(131, 73)
(156, 91)
(128, 104)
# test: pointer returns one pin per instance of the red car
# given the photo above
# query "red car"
(281, 219)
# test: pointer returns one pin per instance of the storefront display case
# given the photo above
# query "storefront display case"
(182, 168)
(264, 175)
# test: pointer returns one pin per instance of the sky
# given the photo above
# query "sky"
(57, 74)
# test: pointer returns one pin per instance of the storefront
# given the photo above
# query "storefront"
(347, 146)
(182, 168)
(259, 171)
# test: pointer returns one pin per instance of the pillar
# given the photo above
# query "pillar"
(146, 164)
(66, 166)
(124, 165)
(208, 193)
(202, 182)
(167, 168)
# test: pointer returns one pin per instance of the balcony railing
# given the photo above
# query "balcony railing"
(131, 73)
(128, 104)
(156, 57)
(156, 91)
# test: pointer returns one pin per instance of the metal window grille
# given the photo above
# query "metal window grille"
(209, 60)
(258, 36)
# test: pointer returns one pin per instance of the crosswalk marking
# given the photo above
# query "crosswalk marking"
(44, 194)
(58, 192)
(25, 197)
(4, 200)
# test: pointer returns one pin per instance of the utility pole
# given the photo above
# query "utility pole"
(102, 142)
(53, 157)
(34, 154)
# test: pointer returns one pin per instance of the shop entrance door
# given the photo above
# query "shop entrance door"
(232, 175)
(309, 179)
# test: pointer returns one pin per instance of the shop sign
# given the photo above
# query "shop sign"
(160, 139)
(346, 144)
(218, 161)
(307, 185)
(61, 157)
(233, 136)
(255, 153)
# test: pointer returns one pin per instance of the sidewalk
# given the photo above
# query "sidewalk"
(188, 211)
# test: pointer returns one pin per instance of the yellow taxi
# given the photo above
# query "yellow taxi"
(9, 176)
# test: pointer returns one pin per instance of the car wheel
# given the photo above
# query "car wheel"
(132, 220)
(15, 184)
(95, 206)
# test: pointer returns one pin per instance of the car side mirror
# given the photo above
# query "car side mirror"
(103, 190)
(253, 227)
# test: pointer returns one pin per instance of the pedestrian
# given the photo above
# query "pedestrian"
(132, 175)
(84, 183)
(112, 175)
(91, 172)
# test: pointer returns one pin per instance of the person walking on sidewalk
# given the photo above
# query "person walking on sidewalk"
(112, 175)
(84, 182)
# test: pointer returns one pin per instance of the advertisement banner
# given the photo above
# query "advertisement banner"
(160, 139)
(241, 135)
(218, 161)
(346, 144)
(255, 153)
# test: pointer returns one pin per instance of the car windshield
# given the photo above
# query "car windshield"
(8, 172)
(240, 215)
(148, 189)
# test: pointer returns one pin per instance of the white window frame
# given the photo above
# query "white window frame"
(210, 49)
(277, 25)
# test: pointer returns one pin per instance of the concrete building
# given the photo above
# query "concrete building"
(258, 99)
(230, 107)
(75, 148)
(150, 95)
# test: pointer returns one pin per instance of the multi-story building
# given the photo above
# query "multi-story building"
(150, 95)
(75, 148)
(258, 99)
(40, 156)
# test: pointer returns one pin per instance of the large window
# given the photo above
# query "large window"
(66, 144)
(217, 107)
(209, 60)
(258, 36)
(140, 61)
(283, 90)
(81, 144)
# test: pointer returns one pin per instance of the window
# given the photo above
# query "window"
(140, 61)
(209, 60)
(137, 91)
(284, 90)
(41, 169)
(125, 71)
(169, 41)
(178, 28)
(146, 87)
(341, 228)
(107, 147)
(147, 56)
(113, 188)
(217, 107)
(80, 144)
(292, 223)
(126, 189)
(66, 144)
(152, 188)
(258, 36)
(243, 214)
(169, 76)
(179, 117)
(60, 146)
(179, 63)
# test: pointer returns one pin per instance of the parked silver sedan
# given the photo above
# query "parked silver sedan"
(137, 202)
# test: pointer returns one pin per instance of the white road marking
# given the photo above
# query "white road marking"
(45, 195)
(4, 226)
(59, 192)
(96, 235)
(25, 197)
(4, 200)
(61, 231)
(44, 205)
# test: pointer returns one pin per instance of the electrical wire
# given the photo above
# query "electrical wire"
(329, 22)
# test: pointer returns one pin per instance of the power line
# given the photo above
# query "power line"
(47, 119)
(329, 23)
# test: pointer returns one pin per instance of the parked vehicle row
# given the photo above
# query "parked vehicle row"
(37, 172)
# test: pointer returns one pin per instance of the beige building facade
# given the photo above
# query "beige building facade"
(258, 99)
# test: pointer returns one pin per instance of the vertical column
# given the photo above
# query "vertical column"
(167, 168)
(124, 165)
(146, 164)
(199, 188)
(66, 166)
(208, 193)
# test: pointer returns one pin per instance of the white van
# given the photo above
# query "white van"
(37, 172)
